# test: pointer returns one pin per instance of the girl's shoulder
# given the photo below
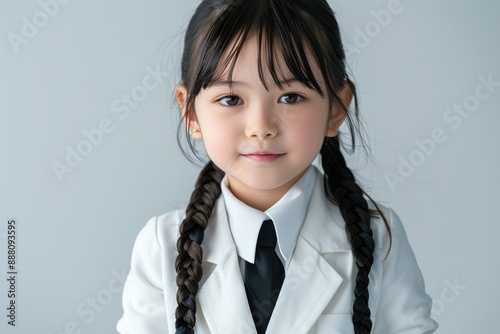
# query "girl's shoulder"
(379, 227)
(161, 229)
(390, 215)
(377, 223)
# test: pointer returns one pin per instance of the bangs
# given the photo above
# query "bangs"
(284, 30)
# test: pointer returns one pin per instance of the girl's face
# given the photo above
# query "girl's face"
(264, 140)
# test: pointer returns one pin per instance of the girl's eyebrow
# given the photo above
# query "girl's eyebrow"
(221, 82)
(229, 83)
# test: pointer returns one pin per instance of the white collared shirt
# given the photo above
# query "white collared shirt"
(287, 214)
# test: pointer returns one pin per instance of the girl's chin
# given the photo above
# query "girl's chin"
(260, 184)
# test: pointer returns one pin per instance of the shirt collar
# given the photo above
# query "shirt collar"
(287, 214)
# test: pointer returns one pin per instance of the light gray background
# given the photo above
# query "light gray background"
(75, 235)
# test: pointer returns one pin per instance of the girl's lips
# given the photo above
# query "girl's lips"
(266, 157)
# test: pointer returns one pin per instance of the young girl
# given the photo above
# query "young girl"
(268, 243)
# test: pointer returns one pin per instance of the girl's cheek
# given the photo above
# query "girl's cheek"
(218, 137)
(309, 130)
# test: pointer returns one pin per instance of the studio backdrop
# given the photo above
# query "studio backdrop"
(88, 147)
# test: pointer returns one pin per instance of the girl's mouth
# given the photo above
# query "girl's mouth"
(264, 157)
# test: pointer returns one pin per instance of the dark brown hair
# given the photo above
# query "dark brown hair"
(290, 27)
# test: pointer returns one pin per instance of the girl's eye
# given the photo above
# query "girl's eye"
(290, 98)
(230, 101)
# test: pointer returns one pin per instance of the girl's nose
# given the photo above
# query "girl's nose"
(261, 123)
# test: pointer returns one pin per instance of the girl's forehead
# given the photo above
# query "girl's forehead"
(268, 57)
(251, 50)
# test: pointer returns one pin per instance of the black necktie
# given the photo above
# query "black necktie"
(263, 279)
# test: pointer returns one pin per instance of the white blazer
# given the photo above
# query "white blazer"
(317, 293)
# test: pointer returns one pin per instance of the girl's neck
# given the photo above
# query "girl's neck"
(258, 198)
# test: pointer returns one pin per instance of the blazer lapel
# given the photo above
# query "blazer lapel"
(308, 288)
(222, 297)
(311, 281)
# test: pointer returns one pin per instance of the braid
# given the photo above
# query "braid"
(192, 230)
(341, 189)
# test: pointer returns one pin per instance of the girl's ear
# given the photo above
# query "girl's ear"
(188, 117)
(337, 116)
